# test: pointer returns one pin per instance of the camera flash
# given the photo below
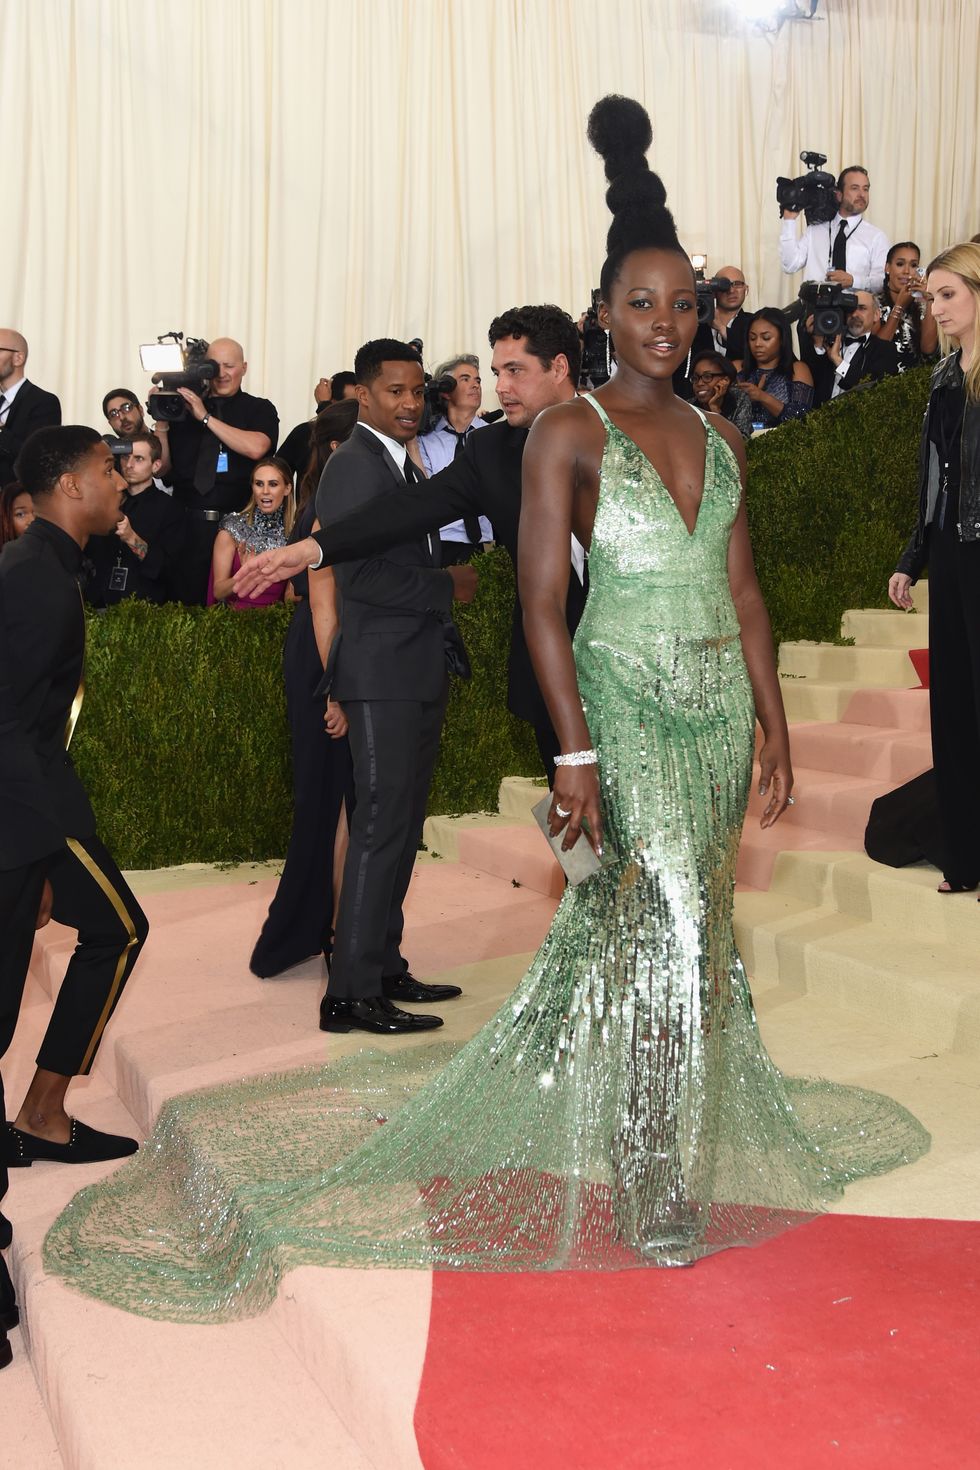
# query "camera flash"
(699, 262)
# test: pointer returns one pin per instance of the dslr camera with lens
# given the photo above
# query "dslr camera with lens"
(175, 362)
(815, 193)
(829, 304)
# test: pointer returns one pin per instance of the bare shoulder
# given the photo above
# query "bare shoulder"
(801, 373)
(572, 425)
(731, 436)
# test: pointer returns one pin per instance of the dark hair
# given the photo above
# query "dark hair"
(718, 361)
(368, 359)
(336, 421)
(787, 357)
(545, 330)
(339, 382)
(854, 168)
(914, 317)
(147, 436)
(902, 245)
(8, 495)
(121, 393)
(50, 453)
(620, 132)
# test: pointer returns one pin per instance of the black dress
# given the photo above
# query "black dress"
(300, 918)
(954, 652)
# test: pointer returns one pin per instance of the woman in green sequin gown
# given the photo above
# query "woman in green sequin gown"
(620, 1109)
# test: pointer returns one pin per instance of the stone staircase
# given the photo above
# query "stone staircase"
(859, 971)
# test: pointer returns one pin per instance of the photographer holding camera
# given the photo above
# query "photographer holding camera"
(445, 441)
(847, 250)
(848, 359)
(213, 450)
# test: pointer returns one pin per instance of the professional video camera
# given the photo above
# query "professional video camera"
(596, 348)
(829, 304)
(175, 363)
(119, 447)
(707, 290)
(814, 192)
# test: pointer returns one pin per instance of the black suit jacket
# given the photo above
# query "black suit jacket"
(484, 479)
(874, 360)
(29, 828)
(44, 625)
(394, 607)
(32, 409)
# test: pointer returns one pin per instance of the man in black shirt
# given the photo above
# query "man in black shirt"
(212, 452)
(142, 558)
(70, 473)
(536, 359)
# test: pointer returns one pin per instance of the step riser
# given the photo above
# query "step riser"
(930, 1018)
(871, 668)
(858, 750)
(886, 629)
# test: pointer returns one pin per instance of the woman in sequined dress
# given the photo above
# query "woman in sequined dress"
(619, 1110)
(780, 386)
(265, 523)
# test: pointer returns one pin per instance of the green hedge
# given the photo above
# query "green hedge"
(832, 500)
(183, 743)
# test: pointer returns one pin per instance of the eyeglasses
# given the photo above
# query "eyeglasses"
(707, 377)
(117, 413)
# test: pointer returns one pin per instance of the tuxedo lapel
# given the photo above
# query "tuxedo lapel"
(373, 444)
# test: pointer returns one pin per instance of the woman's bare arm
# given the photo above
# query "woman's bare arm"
(221, 563)
(323, 607)
(549, 479)
(776, 774)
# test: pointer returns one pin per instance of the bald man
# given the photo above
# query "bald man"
(24, 406)
(212, 451)
(728, 327)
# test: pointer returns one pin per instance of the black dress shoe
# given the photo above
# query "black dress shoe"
(85, 1146)
(9, 1315)
(406, 987)
(374, 1013)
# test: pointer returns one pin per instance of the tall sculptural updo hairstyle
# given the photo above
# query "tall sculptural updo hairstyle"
(620, 132)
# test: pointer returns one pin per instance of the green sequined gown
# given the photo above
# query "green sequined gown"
(620, 1109)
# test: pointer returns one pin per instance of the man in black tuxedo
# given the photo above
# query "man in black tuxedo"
(536, 360)
(388, 668)
(24, 406)
(841, 366)
(72, 477)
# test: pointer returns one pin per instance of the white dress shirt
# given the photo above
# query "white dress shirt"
(847, 356)
(438, 449)
(812, 252)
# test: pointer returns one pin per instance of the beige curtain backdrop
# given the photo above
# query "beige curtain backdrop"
(304, 174)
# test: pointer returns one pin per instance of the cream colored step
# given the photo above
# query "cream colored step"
(518, 794)
(927, 993)
(881, 628)
(865, 667)
(441, 834)
(901, 901)
(810, 700)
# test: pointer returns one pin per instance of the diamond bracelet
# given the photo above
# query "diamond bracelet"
(577, 758)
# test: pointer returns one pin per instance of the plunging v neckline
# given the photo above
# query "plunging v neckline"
(692, 531)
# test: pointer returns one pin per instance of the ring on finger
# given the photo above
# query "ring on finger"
(791, 801)
(561, 812)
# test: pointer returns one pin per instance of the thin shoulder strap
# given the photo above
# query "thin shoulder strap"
(599, 410)
(700, 415)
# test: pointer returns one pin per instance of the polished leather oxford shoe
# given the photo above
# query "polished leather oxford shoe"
(405, 987)
(372, 1013)
(85, 1146)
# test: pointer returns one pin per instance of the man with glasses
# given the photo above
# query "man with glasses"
(124, 413)
(24, 406)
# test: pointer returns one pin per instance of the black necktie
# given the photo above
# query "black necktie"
(3, 402)
(471, 524)
(838, 259)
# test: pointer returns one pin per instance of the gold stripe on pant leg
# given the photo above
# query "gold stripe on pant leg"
(90, 865)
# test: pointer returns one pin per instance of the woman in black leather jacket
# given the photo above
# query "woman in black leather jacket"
(947, 539)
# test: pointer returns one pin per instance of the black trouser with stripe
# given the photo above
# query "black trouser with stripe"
(394, 744)
(91, 896)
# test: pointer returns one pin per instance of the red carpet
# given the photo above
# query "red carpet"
(847, 1342)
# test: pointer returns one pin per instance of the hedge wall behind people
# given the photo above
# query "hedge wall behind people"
(832, 500)
(183, 743)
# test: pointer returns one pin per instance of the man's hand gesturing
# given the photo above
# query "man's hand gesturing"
(465, 579)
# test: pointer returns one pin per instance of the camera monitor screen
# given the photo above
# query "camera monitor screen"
(161, 357)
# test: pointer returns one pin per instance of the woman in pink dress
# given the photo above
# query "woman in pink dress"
(263, 525)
